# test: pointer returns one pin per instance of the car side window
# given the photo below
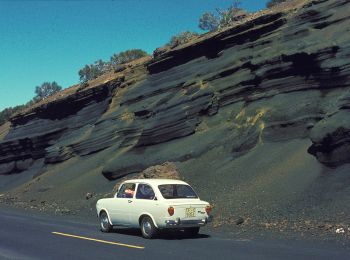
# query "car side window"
(145, 192)
(126, 191)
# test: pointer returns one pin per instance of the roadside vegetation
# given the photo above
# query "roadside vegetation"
(182, 38)
(46, 89)
(99, 67)
(8, 112)
(43, 91)
(88, 72)
(210, 21)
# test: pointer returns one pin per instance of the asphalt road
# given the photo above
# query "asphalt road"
(27, 236)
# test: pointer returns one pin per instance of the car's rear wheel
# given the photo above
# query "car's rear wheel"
(104, 222)
(148, 229)
(193, 231)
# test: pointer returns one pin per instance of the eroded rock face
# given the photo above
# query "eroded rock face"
(277, 77)
(36, 135)
(331, 139)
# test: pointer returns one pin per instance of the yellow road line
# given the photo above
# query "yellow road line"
(98, 240)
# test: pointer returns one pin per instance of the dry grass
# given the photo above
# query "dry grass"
(4, 129)
(107, 77)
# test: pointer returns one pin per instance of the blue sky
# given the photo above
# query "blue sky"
(51, 40)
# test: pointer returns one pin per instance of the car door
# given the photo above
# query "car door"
(144, 202)
(120, 211)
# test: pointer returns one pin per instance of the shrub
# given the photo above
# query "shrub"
(7, 113)
(90, 72)
(231, 16)
(272, 3)
(99, 67)
(211, 22)
(46, 89)
(182, 38)
(126, 56)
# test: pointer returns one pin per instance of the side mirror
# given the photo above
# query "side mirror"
(155, 198)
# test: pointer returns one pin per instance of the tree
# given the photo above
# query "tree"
(8, 112)
(223, 18)
(182, 38)
(272, 3)
(209, 22)
(127, 56)
(90, 72)
(5, 115)
(231, 15)
(101, 65)
(46, 89)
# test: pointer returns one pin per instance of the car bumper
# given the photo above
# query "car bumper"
(187, 223)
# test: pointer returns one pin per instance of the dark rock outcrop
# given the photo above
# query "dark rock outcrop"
(331, 139)
(268, 57)
(37, 134)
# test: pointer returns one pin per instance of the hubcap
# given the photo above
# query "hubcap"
(147, 228)
(104, 221)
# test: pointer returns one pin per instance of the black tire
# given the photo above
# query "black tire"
(148, 229)
(104, 222)
(192, 232)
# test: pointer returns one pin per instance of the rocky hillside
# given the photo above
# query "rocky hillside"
(256, 117)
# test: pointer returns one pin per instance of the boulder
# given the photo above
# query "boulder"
(167, 170)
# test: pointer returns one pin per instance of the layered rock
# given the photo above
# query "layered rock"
(280, 76)
(36, 134)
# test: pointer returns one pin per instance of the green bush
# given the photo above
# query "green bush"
(182, 38)
(46, 89)
(231, 16)
(223, 18)
(90, 72)
(99, 67)
(7, 113)
(126, 56)
(209, 22)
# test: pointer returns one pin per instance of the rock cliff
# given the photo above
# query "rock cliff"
(259, 111)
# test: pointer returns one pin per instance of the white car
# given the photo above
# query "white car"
(154, 204)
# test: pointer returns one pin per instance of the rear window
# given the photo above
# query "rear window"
(177, 191)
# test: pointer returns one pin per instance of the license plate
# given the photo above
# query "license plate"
(190, 212)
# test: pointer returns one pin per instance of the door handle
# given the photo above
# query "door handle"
(129, 201)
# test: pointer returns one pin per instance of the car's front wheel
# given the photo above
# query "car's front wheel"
(104, 222)
(148, 229)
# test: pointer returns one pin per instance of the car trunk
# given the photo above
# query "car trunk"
(188, 208)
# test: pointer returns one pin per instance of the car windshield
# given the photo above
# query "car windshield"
(177, 191)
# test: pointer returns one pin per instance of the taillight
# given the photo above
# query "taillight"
(208, 209)
(171, 211)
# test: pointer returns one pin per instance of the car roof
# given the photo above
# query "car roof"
(156, 181)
